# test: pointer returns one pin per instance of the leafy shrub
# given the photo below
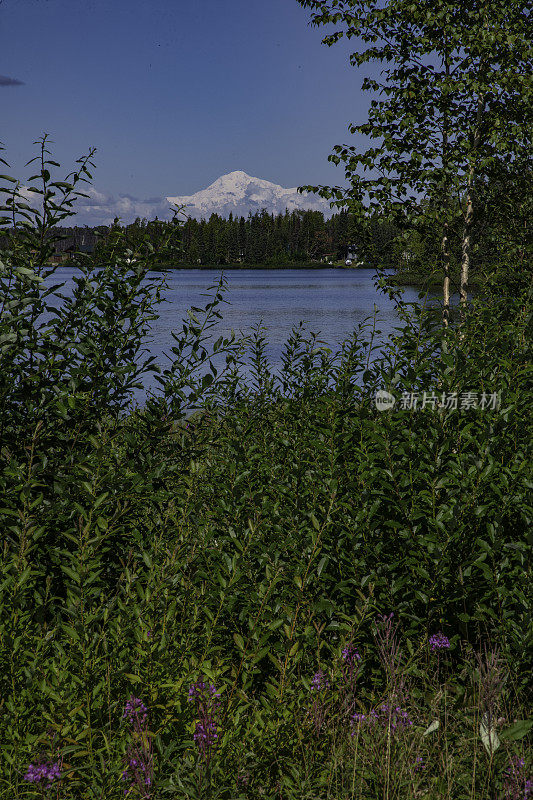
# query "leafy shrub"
(249, 545)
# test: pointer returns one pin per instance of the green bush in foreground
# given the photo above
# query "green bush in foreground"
(203, 600)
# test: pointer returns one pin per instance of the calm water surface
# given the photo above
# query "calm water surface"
(331, 302)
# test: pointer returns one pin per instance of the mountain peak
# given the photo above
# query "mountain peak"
(236, 178)
(238, 173)
(239, 194)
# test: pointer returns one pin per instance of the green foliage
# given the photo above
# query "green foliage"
(449, 125)
(253, 540)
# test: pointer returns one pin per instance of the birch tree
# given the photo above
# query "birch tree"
(451, 108)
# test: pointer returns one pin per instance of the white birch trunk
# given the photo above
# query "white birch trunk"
(446, 285)
(469, 213)
(466, 245)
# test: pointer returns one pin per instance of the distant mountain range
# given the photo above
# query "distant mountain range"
(239, 193)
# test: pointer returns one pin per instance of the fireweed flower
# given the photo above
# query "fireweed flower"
(350, 665)
(206, 700)
(243, 779)
(517, 785)
(205, 734)
(396, 716)
(387, 716)
(319, 681)
(137, 773)
(367, 720)
(139, 770)
(351, 655)
(135, 711)
(439, 642)
(318, 709)
(201, 691)
(44, 773)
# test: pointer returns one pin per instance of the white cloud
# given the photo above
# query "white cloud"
(101, 208)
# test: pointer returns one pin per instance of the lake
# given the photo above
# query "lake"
(331, 302)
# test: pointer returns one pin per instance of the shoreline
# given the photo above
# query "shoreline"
(400, 279)
(266, 267)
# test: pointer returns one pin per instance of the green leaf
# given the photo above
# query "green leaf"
(321, 564)
(72, 632)
(432, 728)
(28, 273)
(489, 737)
(316, 523)
(517, 731)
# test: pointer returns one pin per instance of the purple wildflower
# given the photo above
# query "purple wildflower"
(395, 718)
(318, 709)
(516, 785)
(319, 681)
(351, 655)
(363, 719)
(243, 779)
(439, 642)
(350, 666)
(44, 773)
(206, 699)
(139, 769)
(419, 764)
(135, 711)
(201, 691)
(205, 734)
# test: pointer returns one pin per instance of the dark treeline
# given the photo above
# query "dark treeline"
(290, 239)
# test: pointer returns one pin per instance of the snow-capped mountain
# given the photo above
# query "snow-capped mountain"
(239, 193)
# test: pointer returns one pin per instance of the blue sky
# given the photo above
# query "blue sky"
(175, 93)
